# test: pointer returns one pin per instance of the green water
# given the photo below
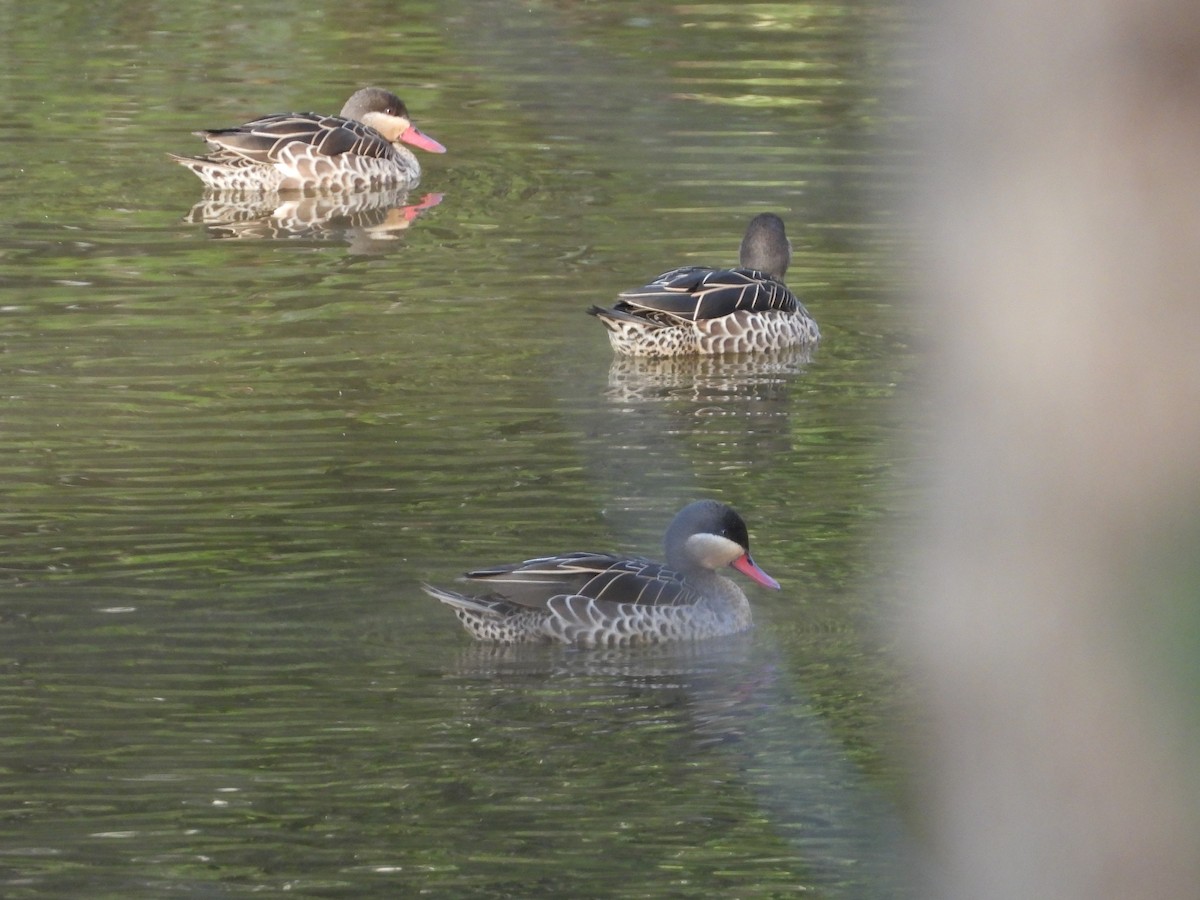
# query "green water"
(233, 453)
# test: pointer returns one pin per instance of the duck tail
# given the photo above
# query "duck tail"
(483, 606)
(609, 315)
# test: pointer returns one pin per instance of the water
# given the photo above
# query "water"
(235, 450)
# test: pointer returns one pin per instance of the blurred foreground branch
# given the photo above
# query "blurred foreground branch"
(1064, 214)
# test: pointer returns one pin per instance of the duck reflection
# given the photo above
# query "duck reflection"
(751, 377)
(686, 733)
(680, 658)
(723, 413)
(367, 220)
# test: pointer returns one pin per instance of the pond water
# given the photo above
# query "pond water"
(238, 439)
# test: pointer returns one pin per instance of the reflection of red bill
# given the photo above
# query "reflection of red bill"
(418, 138)
(746, 566)
(427, 202)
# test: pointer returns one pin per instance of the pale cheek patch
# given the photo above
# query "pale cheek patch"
(391, 127)
(713, 551)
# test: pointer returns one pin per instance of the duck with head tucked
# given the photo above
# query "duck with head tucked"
(360, 149)
(697, 310)
(603, 600)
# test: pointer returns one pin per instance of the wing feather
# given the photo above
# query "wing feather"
(596, 576)
(693, 293)
(262, 140)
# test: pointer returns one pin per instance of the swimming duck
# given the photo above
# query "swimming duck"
(360, 149)
(700, 310)
(603, 600)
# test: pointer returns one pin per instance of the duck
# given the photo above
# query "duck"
(362, 148)
(591, 600)
(698, 310)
